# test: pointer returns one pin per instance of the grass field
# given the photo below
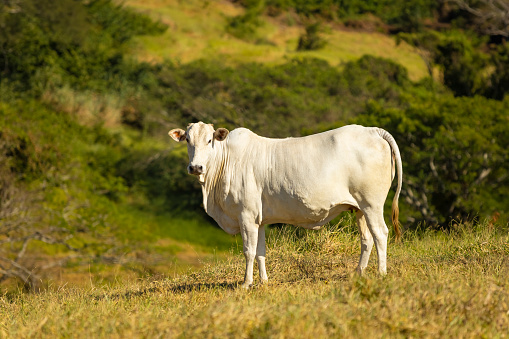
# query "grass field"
(450, 284)
(196, 29)
(440, 283)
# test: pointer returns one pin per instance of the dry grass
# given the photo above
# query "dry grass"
(440, 284)
(197, 30)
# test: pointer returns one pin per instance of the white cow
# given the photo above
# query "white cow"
(249, 181)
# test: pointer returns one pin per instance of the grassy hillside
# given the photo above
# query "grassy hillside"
(91, 186)
(439, 284)
(197, 31)
(64, 207)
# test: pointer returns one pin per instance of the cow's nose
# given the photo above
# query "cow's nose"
(195, 169)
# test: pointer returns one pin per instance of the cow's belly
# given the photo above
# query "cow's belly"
(307, 213)
(316, 221)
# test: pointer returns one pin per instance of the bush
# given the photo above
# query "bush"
(371, 77)
(274, 101)
(67, 42)
(244, 26)
(54, 199)
(311, 40)
(499, 79)
(401, 15)
(453, 152)
(464, 66)
(162, 178)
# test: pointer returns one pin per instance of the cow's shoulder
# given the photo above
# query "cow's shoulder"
(240, 138)
(241, 133)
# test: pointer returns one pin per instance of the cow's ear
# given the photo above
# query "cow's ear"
(220, 134)
(177, 134)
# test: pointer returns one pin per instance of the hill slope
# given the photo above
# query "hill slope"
(197, 30)
(84, 140)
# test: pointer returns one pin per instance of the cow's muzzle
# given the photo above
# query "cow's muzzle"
(195, 169)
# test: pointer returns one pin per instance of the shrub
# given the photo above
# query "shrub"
(244, 26)
(161, 176)
(67, 42)
(53, 204)
(499, 79)
(311, 40)
(463, 64)
(453, 150)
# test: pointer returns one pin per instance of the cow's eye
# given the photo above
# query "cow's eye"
(187, 139)
(210, 141)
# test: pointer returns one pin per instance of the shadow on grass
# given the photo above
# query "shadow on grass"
(184, 288)
(176, 289)
(225, 286)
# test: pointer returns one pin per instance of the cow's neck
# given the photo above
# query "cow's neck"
(212, 180)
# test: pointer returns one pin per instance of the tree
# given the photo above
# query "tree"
(499, 78)
(491, 17)
(311, 40)
(458, 55)
(454, 154)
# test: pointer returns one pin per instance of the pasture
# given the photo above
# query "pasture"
(98, 215)
(440, 283)
(196, 31)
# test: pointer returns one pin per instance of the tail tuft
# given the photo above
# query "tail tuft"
(395, 220)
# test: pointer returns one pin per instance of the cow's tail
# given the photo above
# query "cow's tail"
(396, 157)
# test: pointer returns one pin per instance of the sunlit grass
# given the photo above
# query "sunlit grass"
(197, 30)
(439, 284)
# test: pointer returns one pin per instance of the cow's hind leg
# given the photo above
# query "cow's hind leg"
(249, 232)
(379, 231)
(366, 242)
(260, 254)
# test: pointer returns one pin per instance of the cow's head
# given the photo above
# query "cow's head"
(200, 140)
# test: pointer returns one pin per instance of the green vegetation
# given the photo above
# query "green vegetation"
(69, 125)
(64, 202)
(452, 163)
(311, 40)
(440, 284)
(404, 15)
(90, 181)
(198, 30)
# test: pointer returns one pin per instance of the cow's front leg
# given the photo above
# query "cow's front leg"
(260, 254)
(249, 232)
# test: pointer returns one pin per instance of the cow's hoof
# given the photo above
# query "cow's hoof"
(246, 286)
